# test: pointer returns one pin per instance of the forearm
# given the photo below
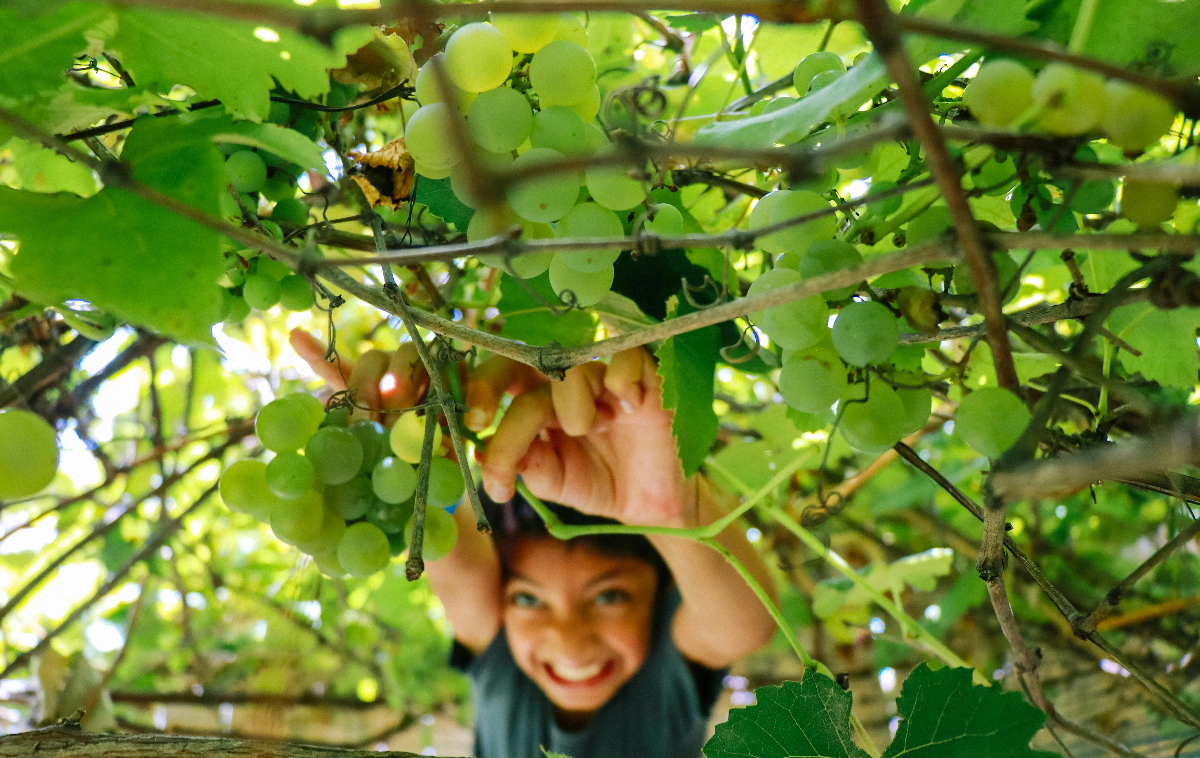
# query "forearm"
(467, 581)
(725, 618)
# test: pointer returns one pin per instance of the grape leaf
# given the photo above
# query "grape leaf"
(35, 52)
(693, 22)
(165, 48)
(436, 195)
(530, 319)
(686, 363)
(1166, 339)
(997, 16)
(122, 254)
(810, 718)
(284, 142)
(920, 571)
(1135, 33)
(43, 170)
(942, 715)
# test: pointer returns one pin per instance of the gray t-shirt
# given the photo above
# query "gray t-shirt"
(661, 712)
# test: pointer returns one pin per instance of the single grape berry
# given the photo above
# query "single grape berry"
(290, 210)
(796, 324)
(562, 73)
(585, 288)
(300, 520)
(290, 475)
(352, 499)
(328, 536)
(374, 440)
(408, 435)
(1134, 118)
(295, 293)
(446, 485)
(261, 292)
(244, 489)
(810, 386)
(394, 481)
(285, 424)
(441, 532)
(478, 57)
(500, 119)
(667, 221)
(827, 256)
(28, 453)
(1071, 100)
(1148, 203)
(590, 220)
(1001, 91)
(813, 64)
(991, 420)
(363, 550)
(336, 454)
(876, 424)
(611, 186)
(246, 171)
(865, 333)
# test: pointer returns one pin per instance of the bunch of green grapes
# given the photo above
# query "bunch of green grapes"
(339, 491)
(28, 453)
(260, 283)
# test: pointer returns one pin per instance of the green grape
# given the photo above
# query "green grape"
(770, 106)
(441, 532)
(333, 527)
(888, 205)
(295, 293)
(246, 171)
(527, 33)
(271, 267)
(820, 184)
(589, 220)
(999, 93)
(499, 219)
(290, 211)
(611, 186)
(350, 500)
(500, 119)
(329, 565)
(478, 57)
(428, 91)
(244, 489)
(393, 480)
(279, 186)
(1006, 272)
(830, 255)
(28, 453)
(285, 424)
(374, 440)
(1071, 101)
(545, 197)
(363, 550)
(1093, 197)
(239, 309)
(446, 485)
(460, 178)
(875, 425)
(918, 404)
(813, 64)
(865, 334)
(300, 520)
(335, 453)
(793, 325)
(991, 420)
(930, 224)
(571, 29)
(667, 221)
(429, 137)
(431, 172)
(390, 517)
(272, 228)
(589, 107)
(261, 292)
(824, 79)
(408, 435)
(339, 416)
(562, 73)
(290, 475)
(809, 385)
(596, 139)
(280, 113)
(587, 288)
(229, 206)
(1148, 203)
(798, 238)
(1134, 118)
(312, 406)
(760, 216)
(559, 128)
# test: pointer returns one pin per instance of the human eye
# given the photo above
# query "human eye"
(524, 600)
(612, 597)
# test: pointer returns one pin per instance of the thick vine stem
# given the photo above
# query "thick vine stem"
(415, 565)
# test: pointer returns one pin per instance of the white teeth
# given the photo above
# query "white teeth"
(577, 674)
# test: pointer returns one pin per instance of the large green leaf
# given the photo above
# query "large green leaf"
(528, 317)
(1136, 33)
(1166, 340)
(35, 52)
(165, 48)
(686, 363)
(942, 715)
(861, 83)
(920, 571)
(122, 254)
(809, 719)
(436, 195)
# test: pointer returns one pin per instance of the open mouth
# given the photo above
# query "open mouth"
(586, 676)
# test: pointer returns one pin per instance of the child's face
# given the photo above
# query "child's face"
(578, 621)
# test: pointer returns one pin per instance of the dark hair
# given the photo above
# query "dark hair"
(516, 520)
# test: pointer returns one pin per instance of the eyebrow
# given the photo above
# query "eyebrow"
(607, 575)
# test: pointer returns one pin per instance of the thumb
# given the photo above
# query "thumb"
(312, 351)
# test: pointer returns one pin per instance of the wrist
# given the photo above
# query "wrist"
(681, 509)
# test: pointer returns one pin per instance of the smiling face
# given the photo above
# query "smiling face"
(577, 621)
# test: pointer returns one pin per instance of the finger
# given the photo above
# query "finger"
(312, 352)
(364, 381)
(405, 382)
(575, 397)
(651, 381)
(489, 382)
(624, 378)
(529, 414)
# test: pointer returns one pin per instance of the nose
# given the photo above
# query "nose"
(571, 639)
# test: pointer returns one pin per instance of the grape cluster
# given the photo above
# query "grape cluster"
(526, 94)
(1065, 101)
(343, 492)
(28, 453)
(260, 283)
